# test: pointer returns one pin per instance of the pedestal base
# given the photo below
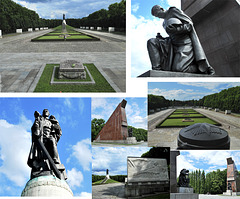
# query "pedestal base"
(183, 196)
(157, 73)
(47, 186)
(185, 190)
(139, 189)
(231, 193)
(131, 140)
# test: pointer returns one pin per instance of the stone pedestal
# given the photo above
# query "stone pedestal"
(36, 29)
(91, 28)
(99, 28)
(87, 27)
(131, 140)
(30, 29)
(41, 28)
(0, 33)
(19, 31)
(146, 176)
(227, 112)
(183, 196)
(227, 193)
(47, 186)
(185, 190)
(111, 29)
(157, 73)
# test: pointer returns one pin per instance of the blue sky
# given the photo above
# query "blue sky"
(206, 160)
(187, 90)
(136, 110)
(114, 159)
(144, 26)
(74, 146)
(54, 9)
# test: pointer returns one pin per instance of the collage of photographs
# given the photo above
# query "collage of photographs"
(114, 99)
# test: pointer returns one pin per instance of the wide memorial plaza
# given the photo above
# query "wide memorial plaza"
(23, 61)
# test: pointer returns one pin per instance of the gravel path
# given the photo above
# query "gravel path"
(108, 191)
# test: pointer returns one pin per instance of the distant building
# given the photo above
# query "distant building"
(217, 23)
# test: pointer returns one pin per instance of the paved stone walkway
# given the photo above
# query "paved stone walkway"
(108, 191)
(201, 196)
(167, 137)
(23, 60)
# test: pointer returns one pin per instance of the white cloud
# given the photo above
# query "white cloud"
(15, 145)
(84, 195)
(141, 31)
(82, 152)
(184, 163)
(114, 159)
(176, 3)
(75, 178)
(67, 103)
(135, 7)
(98, 103)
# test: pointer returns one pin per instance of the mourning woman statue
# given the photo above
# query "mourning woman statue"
(182, 50)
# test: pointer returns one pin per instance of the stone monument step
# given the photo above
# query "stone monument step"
(156, 73)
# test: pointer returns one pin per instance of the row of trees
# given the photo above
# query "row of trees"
(214, 182)
(14, 16)
(98, 124)
(115, 16)
(226, 99)
(119, 178)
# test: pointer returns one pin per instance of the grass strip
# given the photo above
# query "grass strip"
(101, 84)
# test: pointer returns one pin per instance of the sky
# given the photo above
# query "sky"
(74, 146)
(54, 9)
(114, 159)
(136, 110)
(206, 160)
(187, 90)
(144, 26)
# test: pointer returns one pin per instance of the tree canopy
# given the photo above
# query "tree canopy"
(14, 16)
(226, 99)
(115, 16)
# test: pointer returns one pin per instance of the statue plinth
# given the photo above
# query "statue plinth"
(47, 186)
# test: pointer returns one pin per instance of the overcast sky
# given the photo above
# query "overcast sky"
(74, 146)
(187, 90)
(144, 26)
(54, 9)
(206, 160)
(136, 110)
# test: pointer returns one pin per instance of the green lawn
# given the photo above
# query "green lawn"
(109, 181)
(101, 84)
(179, 123)
(55, 35)
(184, 116)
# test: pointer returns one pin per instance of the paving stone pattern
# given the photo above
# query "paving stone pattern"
(21, 59)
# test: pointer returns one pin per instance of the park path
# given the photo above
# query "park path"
(108, 191)
(22, 61)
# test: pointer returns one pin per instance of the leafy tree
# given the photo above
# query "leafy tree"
(96, 126)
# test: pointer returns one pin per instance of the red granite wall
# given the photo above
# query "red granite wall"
(116, 126)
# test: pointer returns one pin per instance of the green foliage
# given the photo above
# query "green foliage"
(101, 84)
(116, 178)
(158, 152)
(97, 125)
(214, 182)
(140, 134)
(115, 16)
(14, 16)
(226, 99)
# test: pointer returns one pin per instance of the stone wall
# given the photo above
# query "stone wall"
(217, 24)
(116, 126)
